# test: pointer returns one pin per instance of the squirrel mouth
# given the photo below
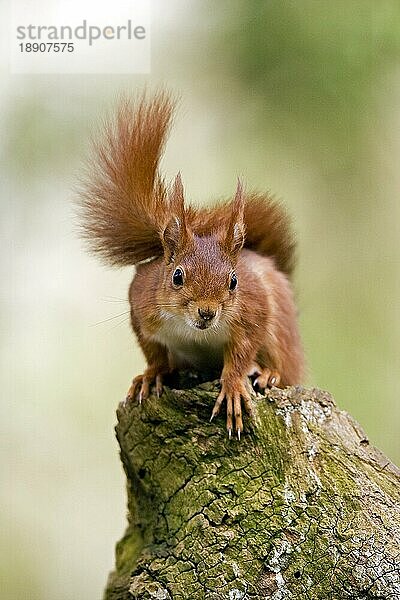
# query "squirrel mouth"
(201, 325)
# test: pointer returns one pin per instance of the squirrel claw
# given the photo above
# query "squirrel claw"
(159, 384)
(266, 379)
(131, 392)
(234, 395)
(143, 382)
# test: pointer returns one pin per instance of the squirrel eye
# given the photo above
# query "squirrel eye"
(177, 277)
(233, 282)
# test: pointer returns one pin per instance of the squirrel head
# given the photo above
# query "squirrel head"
(200, 283)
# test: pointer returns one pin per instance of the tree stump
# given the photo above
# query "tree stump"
(303, 507)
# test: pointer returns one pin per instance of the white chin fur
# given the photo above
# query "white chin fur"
(188, 343)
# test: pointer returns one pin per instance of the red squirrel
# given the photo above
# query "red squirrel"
(212, 284)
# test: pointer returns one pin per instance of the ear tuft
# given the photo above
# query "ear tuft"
(176, 197)
(235, 235)
(176, 235)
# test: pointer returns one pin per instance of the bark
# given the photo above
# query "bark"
(303, 507)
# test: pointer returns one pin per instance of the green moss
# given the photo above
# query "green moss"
(282, 510)
(127, 551)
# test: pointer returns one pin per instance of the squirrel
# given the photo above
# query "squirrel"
(212, 285)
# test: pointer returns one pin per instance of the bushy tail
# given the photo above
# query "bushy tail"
(122, 201)
(269, 231)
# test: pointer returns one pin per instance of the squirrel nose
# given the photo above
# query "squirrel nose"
(207, 314)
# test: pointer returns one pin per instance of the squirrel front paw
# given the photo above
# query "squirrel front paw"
(142, 384)
(234, 391)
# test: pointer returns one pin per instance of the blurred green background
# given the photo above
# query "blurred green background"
(301, 98)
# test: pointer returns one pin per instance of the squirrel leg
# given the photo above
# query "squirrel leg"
(235, 387)
(158, 366)
(143, 383)
(233, 392)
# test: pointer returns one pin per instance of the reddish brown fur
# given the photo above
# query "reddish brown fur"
(128, 217)
(123, 200)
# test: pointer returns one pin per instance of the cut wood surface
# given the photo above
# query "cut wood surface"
(303, 507)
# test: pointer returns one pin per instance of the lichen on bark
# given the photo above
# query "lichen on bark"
(301, 508)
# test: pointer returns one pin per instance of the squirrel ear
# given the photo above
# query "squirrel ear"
(174, 237)
(176, 234)
(235, 235)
